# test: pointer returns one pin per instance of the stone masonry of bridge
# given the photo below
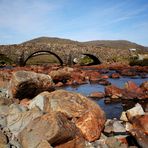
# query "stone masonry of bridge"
(18, 53)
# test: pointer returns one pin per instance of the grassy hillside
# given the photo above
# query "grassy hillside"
(115, 44)
(121, 44)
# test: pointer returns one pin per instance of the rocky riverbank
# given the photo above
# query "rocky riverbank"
(35, 111)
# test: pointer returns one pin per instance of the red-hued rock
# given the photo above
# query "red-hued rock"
(77, 78)
(90, 125)
(59, 84)
(115, 75)
(78, 142)
(127, 72)
(144, 86)
(113, 91)
(104, 76)
(132, 91)
(141, 123)
(52, 127)
(27, 84)
(97, 95)
(141, 137)
(103, 82)
(25, 102)
(77, 107)
(131, 86)
(94, 76)
(61, 75)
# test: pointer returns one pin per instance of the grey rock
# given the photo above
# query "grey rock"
(28, 84)
(15, 144)
(4, 110)
(16, 108)
(114, 126)
(16, 122)
(112, 142)
(3, 121)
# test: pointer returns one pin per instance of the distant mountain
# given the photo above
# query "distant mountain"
(52, 40)
(115, 44)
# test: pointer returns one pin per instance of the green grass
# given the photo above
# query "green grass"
(42, 59)
(86, 60)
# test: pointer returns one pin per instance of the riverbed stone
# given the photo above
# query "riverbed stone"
(114, 126)
(53, 127)
(115, 75)
(17, 121)
(61, 75)
(144, 86)
(141, 122)
(97, 95)
(113, 91)
(113, 142)
(27, 84)
(137, 110)
(141, 137)
(77, 107)
(123, 116)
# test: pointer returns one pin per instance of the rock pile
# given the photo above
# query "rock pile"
(50, 119)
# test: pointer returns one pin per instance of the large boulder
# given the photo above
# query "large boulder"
(53, 127)
(85, 113)
(27, 84)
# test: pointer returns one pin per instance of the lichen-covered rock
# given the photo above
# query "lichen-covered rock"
(17, 121)
(27, 84)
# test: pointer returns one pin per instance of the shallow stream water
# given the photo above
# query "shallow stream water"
(113, 110)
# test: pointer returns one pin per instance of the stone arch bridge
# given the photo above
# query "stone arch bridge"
(20, 53)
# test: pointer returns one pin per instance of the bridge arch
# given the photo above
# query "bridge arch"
(40, 52)
(81, 60)
(94, 58)
(5, 59)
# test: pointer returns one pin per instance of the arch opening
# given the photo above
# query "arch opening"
(87, 59)
(4, 60)
(47, 56)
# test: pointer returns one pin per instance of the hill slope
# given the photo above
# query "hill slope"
(115, 44)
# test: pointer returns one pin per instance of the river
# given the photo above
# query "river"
(112, 110)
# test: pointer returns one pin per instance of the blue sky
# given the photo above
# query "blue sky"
(81, 20)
